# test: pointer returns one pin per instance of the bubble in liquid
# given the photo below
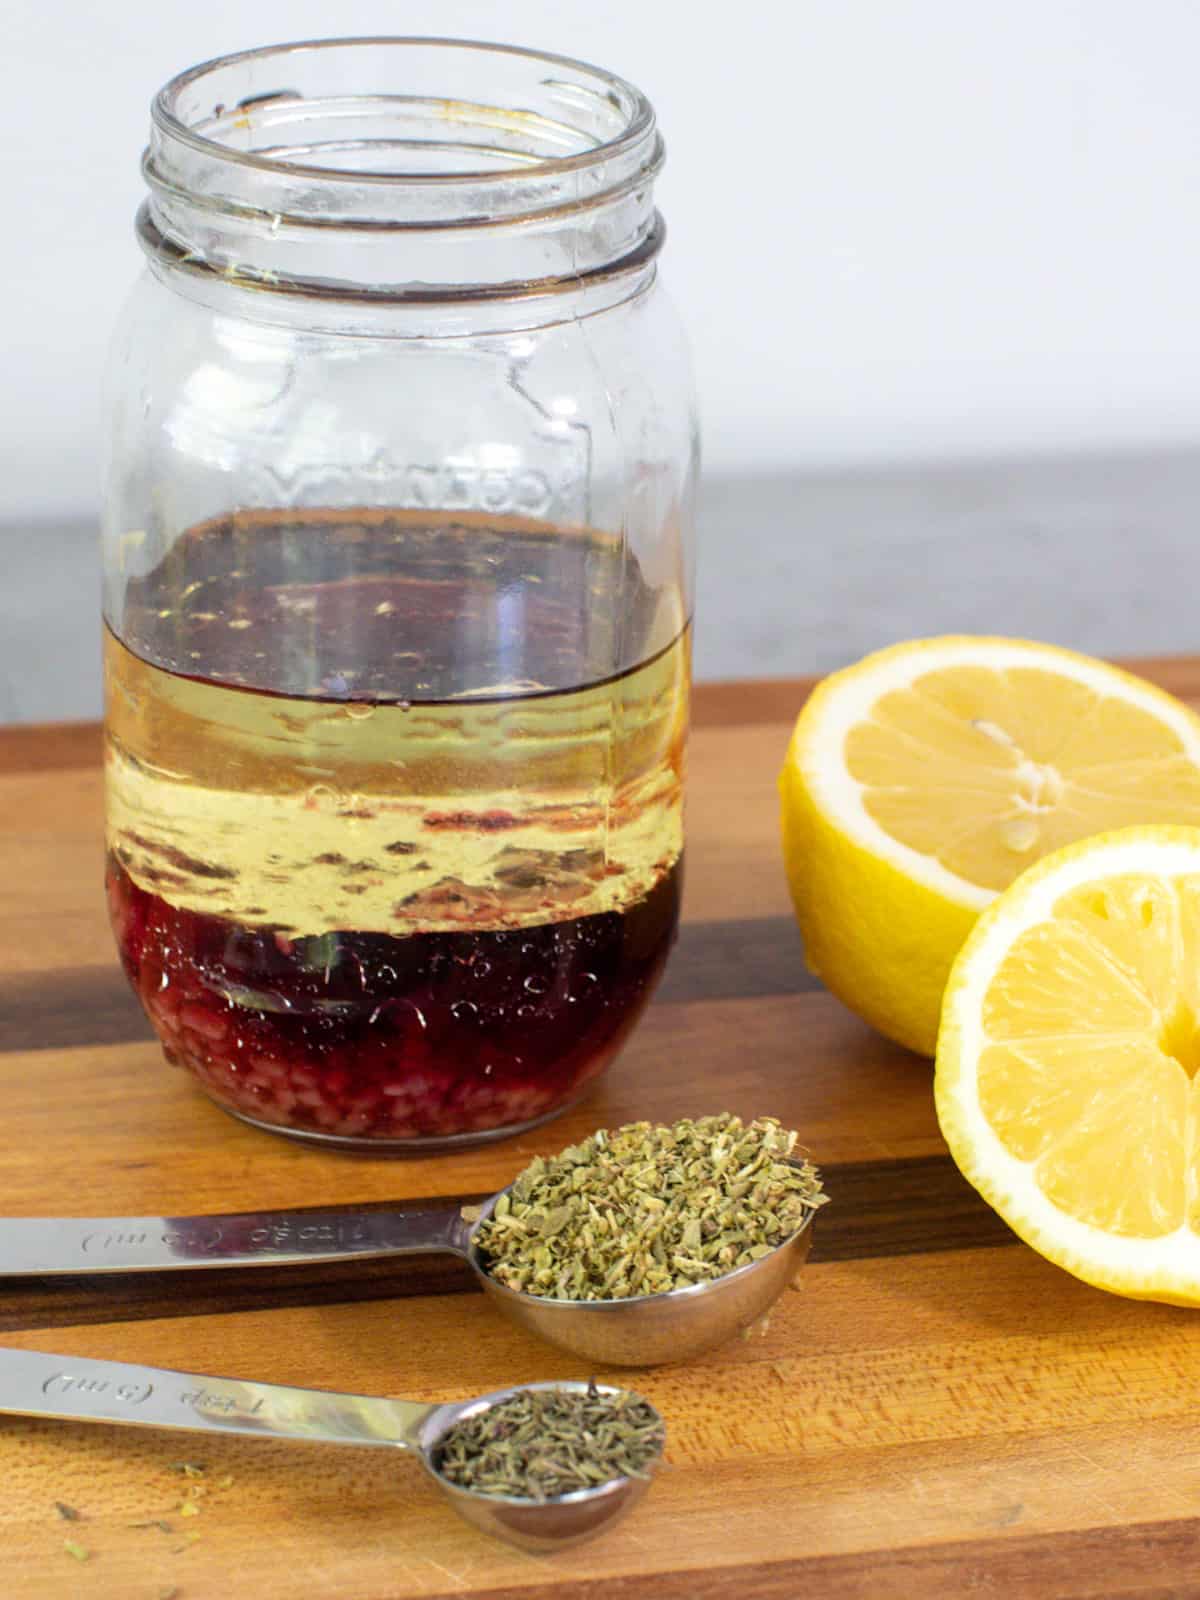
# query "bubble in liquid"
(464, 1010)
(360, 711)
(402, 1009)
(536, 984)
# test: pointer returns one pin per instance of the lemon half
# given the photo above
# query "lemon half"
(1066, 1080)
(921, 781)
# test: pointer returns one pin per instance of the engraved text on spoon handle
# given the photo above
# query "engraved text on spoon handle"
(36, 1246)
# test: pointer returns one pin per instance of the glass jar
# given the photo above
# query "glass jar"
(398, 587)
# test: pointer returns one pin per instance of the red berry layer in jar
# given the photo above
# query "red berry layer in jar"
(364, 1036)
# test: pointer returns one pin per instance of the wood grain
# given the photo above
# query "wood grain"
(891, 1413)
(936, 1412)
(152, 1142)
(1063, 1564)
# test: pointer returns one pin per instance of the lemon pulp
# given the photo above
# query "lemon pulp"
(1089, 1072)
(984, 769)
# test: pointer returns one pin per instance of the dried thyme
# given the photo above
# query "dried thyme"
(543, 1443)
(645, 1209)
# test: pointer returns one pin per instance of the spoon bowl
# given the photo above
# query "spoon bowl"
(648, 1330)
(533, 1525)
(78, 1389)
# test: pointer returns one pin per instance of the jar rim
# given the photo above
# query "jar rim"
(619, 92)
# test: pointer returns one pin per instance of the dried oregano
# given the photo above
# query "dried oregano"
(541, 1443)
(645, 1209)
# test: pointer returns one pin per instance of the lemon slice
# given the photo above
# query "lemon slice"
(1066, 1079)
(920, 782)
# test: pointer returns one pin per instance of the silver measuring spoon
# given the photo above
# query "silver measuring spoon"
(642, 1331)
(81, 1390)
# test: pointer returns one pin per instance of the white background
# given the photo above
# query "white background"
(900, 229)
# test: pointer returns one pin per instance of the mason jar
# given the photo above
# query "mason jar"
(398, 586)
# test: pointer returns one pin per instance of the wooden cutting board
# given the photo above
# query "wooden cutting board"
(936, 1412)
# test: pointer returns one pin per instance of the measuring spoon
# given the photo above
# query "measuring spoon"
(33, 1384)
(642, 1331)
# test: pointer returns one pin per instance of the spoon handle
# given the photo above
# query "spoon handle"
(37, 1246)
(33, 1384)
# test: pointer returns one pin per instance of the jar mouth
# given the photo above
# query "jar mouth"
(401, 168)
(291, 124)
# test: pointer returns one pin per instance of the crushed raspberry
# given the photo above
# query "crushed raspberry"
(369, 1037)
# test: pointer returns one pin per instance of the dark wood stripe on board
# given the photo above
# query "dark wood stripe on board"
(1149, 1560)
(753, 702)
(84, 1006)
(901, 1208)
(734, 704)
(737, 961)
(879, 1208)
(50, 747)
(73, 1008)
(745, 704)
